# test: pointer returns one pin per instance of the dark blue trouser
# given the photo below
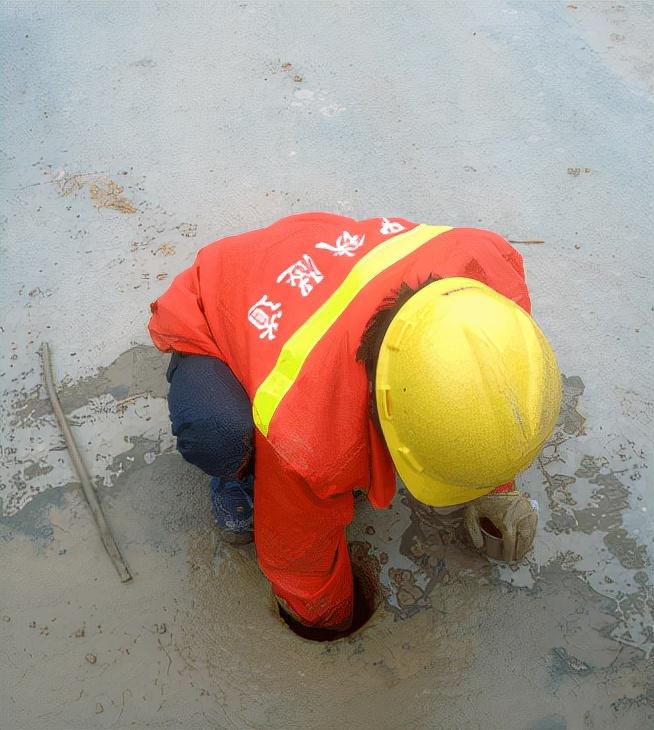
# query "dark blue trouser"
(211, 416)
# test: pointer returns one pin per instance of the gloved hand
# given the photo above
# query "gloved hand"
(513, 516)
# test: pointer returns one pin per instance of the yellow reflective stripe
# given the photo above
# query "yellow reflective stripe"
(299, 346)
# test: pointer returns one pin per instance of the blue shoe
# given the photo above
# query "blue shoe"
(232, 503)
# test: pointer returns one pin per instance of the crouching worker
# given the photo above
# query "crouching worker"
(324, 354)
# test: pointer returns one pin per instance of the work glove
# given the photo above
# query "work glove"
(513, 516)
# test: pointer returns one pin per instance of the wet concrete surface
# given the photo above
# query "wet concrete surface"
(137, 135)
(194, 641)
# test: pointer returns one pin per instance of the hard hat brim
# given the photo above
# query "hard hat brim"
(435, 493)
(434, 350)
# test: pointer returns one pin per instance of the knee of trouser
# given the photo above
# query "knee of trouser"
(217, 446)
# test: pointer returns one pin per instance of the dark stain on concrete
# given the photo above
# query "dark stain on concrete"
(550, 722)
(646, 699)
(33, 520)
(557, 486)
(611, 499)
(565, 663)
(35, 469)
(438, 547)
(570, 420)
(140, 370)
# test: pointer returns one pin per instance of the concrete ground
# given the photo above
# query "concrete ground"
(134, 133)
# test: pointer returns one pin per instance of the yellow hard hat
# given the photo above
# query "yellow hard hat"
(468, 391)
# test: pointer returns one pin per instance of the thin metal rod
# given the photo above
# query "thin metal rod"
(83, 475)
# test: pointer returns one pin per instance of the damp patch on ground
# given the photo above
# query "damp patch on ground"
(587, 585)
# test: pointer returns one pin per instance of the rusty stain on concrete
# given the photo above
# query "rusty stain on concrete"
(104, 192)
(109, 195)
(166, 249)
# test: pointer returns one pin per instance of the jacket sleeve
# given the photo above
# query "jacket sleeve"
(178, 323)
(301, 543)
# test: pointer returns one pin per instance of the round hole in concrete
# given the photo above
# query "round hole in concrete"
(367, 597)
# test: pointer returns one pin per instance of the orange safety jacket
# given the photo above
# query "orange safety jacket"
(285, 308)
